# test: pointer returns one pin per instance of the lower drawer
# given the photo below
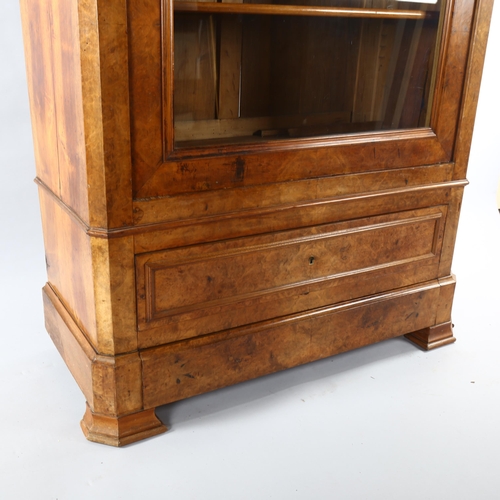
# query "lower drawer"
(177, 371)
(206, 288)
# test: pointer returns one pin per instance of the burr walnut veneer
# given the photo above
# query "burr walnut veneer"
(229, 189)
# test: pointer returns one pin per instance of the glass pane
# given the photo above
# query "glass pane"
(250, 72)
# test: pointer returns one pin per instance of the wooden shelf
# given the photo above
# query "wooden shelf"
(294, 10)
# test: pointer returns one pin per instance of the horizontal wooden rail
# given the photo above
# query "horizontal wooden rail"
(295, 10)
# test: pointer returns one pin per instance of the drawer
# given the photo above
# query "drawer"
(184, 369)
(200, 289)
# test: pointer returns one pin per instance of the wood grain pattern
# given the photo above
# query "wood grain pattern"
(121, 431)
(367, 75)
(295, 160)
(145, 81)
(97, 287)
(113, 58)
(230, 69)
(117, 388)
(283, 196)
(70, 277)
(449, 86)
(221, 198)
(164, 179)
(202, 289)
(289, 300)
(471, 94)
(38, 56)
(92, 113)
(455, 203)
(112, 385)
(68, 110)
(193, 367)
(433, 337)
(230, 271)
(53, 70)
(113, 271)
(195, 74)
(70, 341)
(295, 10)
(446, 293)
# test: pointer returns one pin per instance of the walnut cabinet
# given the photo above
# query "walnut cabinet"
(233, 188)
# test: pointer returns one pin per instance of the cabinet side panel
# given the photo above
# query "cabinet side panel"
(53, 66)
(39, 68)
(69, 264)
(69, 110)
(453, 75)
(450, 233)
(473, 80)
(74, 349)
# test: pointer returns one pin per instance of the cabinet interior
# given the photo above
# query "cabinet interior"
(252, 72)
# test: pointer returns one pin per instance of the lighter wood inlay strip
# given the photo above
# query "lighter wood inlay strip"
(295, 10)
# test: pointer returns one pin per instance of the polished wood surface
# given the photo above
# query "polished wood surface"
(294, 10)
(219, 202)
(258, 278)
(202, 365)
(53, 70)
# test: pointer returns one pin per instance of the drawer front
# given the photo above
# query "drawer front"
(206, 288)
(177, 371)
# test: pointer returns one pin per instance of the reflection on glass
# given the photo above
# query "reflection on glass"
(250, 72)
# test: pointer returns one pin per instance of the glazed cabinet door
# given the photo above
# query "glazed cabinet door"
(236, 94)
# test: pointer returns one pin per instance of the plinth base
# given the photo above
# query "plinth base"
(433, 336)
(121, 431)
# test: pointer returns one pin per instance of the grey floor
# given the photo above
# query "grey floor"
(384, 422)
